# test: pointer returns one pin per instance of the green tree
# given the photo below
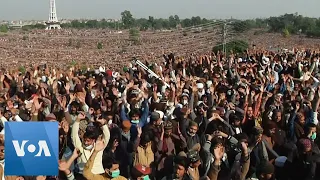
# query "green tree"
(285, 32)
(39, 26)
(127, 19)
(143, 23)
(172, 22)
(4, 29)
(196, 21)
(134, 35)
(151, 21)
(186, 22)
(92, 24)
(99, 45)
(241, 26)
(237, 46)
(177, 19)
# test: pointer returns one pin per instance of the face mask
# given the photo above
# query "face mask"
(88, 147)
(110, 122)
(135, 121)
(313, 136)
(185, 102)
(115, 173)
(146, 177)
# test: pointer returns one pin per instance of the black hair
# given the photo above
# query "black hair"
(91, 134)
(242, 137)
(134, 111)
(311, 125)
(182, 161)
(233, 117)
(108, 161)
(145, 138)
(215, 142)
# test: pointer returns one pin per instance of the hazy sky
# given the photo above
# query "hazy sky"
(39, 9)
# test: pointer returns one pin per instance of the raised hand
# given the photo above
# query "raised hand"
(36, 103)
(100, 145)
(67, 87)
(81, 116)
(2, 78)
(218, 152)
(65, 126)
(63, 166)
(101, 121)
(92, 84)
(215, 116)
(139, 129)
(76, 153)
(244, 147)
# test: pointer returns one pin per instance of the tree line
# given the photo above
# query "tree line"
(287, 24)
(128, 21)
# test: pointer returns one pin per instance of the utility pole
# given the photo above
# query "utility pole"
(224, 45)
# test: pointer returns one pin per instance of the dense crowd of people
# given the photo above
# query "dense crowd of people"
(251, 115)
(60, 48)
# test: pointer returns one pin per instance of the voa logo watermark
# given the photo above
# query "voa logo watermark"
(31, 148)
(42, 148)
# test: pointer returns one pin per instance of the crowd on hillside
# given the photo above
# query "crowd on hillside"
(250, 115)
(20, 48)
(82, 46)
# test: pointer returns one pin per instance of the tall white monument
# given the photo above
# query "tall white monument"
(53, 22)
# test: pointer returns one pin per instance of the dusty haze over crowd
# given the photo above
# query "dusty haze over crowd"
(38, 9)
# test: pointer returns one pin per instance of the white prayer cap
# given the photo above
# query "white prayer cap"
(160, 113)
(102, 69)
(209, 83)
(200, 86)
(43, 78)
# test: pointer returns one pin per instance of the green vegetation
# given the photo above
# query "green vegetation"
(22, 69)
(286, 32)
(134, 35)
(237, 46)
(99, 45)
(36, 26)
(128, 21)
(4, 29)
(73, 63)
(287, 24)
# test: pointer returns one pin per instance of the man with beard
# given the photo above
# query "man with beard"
(192, 137)
(154, 126)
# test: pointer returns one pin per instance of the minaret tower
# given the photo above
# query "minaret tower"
(53, 22)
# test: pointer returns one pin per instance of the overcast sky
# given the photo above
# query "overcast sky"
(76, 9)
